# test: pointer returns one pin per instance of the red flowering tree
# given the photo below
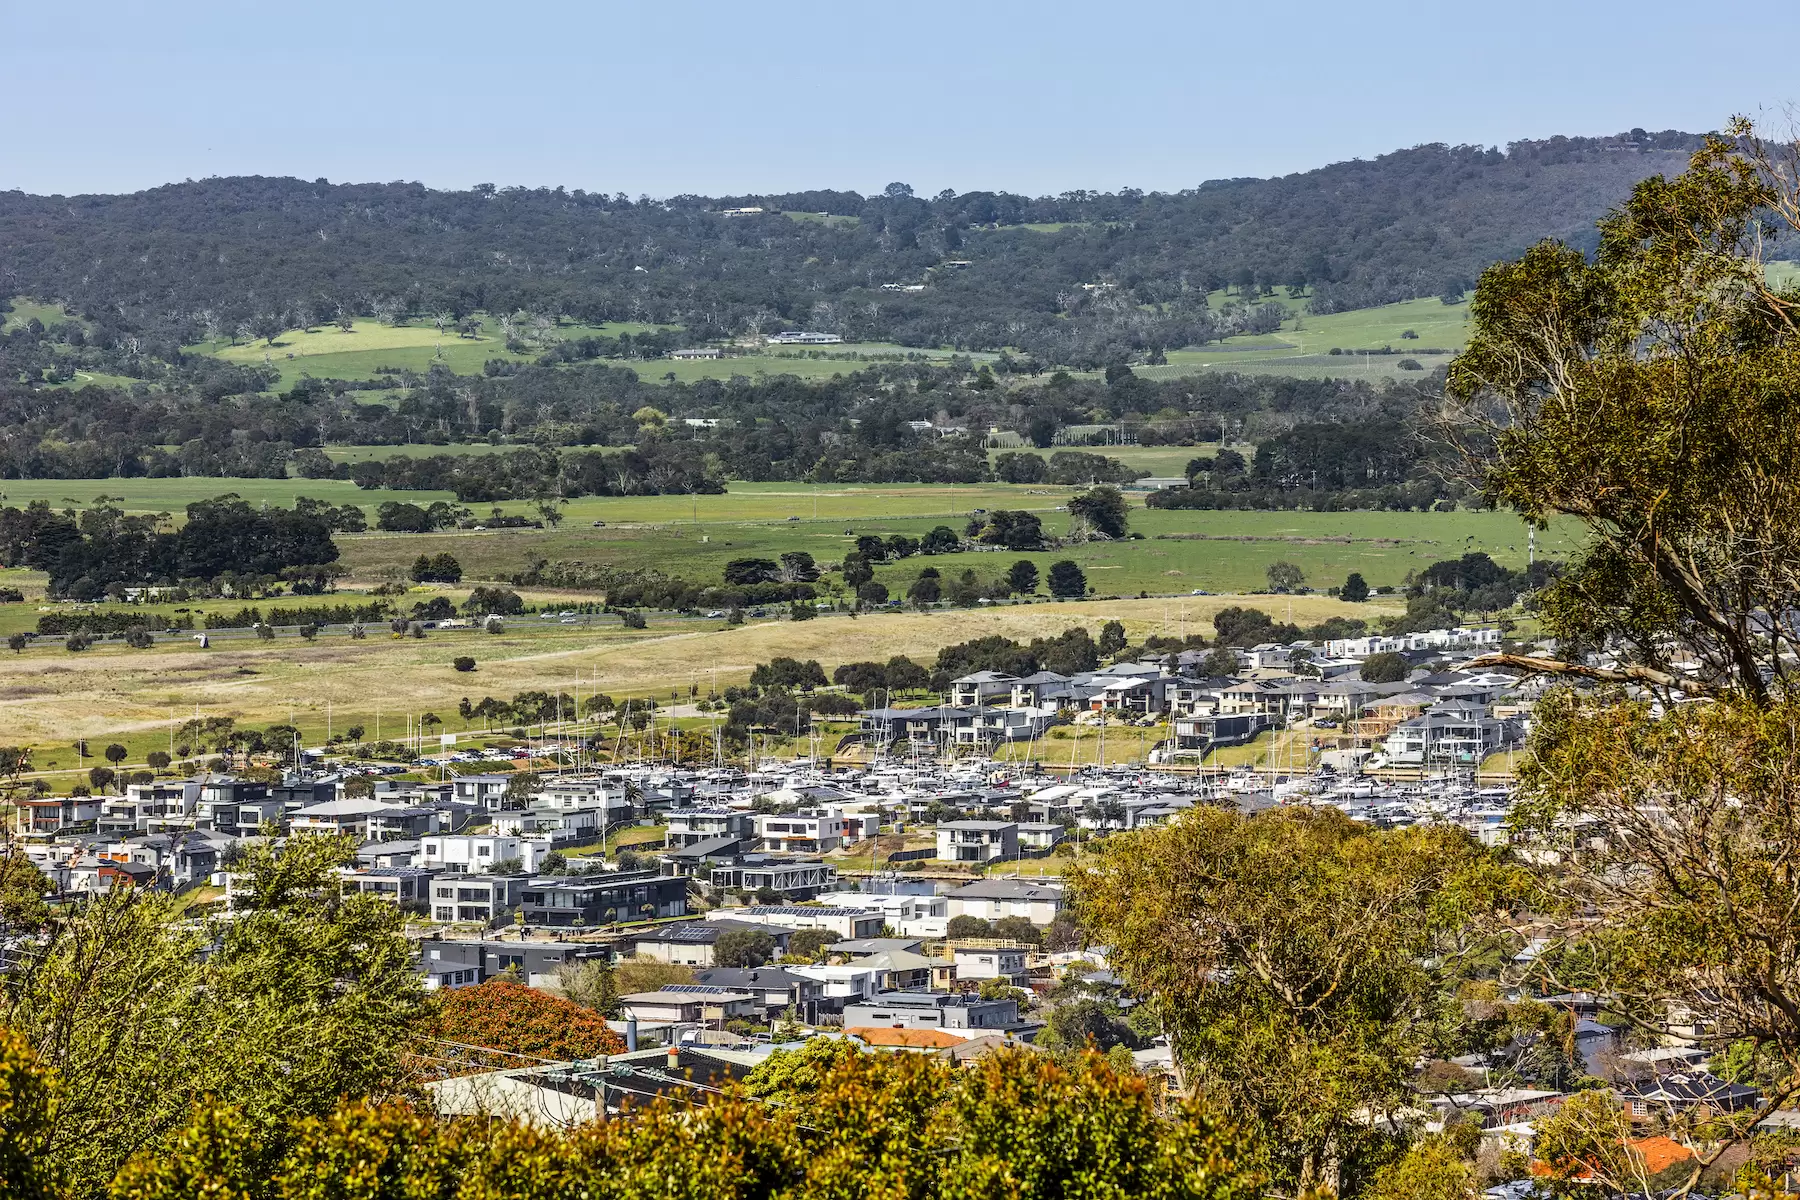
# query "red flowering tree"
(510, 1017)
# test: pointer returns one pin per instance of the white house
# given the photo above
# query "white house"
(476, 853)
(974, 963)
(977, 841)
(814, 832)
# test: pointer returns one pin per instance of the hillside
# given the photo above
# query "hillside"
(1078, 279)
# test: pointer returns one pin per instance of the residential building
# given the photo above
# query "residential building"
(604, 899)
(483, 791)
(845, 922)
(976, 962)
(486, 899)
(537, 963)
(688, 826)
(794, 878)
(1450, 733)
(775, 988)
(692, 944)
(690, 1004)
(47, 816)
(553, 826)
(992, 899)
(407, 822)
(910, 916)
(932, 1010)
(402, 885)
(977, 841)
(1204, 733)
(814, 832)
(477, 853)
(349, 816)
(973, 690)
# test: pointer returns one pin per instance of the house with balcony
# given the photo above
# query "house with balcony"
(477, 853)
(1202, 734)
(688, 826)
(1039, 690)
(48, 816)
(483, 899)
(981, 688)
(814, 832)
(991, 962)
(589, 900)
(1450, 734)
(794, 878)
(977, 841)
(932, 1010)
(398, 885)
(483, 791)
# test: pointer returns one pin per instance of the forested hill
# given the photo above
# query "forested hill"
(168, 264)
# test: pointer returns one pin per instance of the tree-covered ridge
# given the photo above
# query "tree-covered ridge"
(171, 264)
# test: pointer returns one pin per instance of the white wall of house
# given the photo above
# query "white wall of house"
(477, 853)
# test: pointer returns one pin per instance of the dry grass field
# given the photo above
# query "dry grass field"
(49, 697)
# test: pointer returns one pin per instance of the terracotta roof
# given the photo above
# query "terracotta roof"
(904, 1039)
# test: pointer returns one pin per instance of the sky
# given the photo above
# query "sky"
(666, 97)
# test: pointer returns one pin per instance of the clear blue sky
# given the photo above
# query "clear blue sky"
(667, 97)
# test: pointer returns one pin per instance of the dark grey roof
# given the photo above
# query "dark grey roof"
(711, 847)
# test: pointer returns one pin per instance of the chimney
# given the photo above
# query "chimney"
(630, 1034)
(674, 1060)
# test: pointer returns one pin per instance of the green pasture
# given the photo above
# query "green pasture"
(24, 310)
(1181, 551)
(1303, 345)
(695, 536)
(328, 352)
(174, 495)
(1167, 461)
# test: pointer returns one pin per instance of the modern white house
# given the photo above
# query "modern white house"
(982, 963)
(814, 832)
(476, 853)
(977, 841)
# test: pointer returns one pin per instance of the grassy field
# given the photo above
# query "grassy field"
(1155, 460)
(695, 536)
(137, 697)
(1304, 343)
(23, 311)
(328, 352)
(1181, 551)
(172, 495)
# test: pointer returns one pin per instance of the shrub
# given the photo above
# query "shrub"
(463, 662)
(520, 1020)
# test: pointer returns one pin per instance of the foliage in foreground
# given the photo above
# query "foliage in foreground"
(1301, 964)
(301, 999)
(849, 1124)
